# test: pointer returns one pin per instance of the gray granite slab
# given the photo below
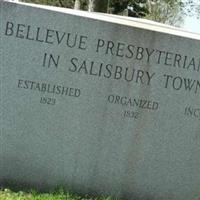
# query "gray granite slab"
(98, 104)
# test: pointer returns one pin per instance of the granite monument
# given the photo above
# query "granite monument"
(98, 104)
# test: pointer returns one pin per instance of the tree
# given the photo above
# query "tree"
(165, 11)
(59, 3)
(191, 8)
(77, 5)
(98, 6)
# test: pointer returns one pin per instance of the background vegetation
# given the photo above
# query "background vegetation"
(165, 11)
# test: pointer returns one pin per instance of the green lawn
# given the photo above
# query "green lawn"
(9, 195)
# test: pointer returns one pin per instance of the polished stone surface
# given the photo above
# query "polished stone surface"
(100, 104)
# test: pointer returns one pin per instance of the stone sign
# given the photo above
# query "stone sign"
(98, 104)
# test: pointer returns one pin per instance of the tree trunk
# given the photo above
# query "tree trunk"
(98, 6)
(77, 5)
(149, 6)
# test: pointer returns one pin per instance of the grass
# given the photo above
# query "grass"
(60, 195)
(7, 194)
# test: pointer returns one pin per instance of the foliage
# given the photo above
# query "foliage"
(98, 5)
(191, 8)
(59, 3)
(165, 11)
(138, 8)
(59, 195)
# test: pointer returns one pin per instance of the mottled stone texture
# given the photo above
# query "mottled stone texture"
(99, 104)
